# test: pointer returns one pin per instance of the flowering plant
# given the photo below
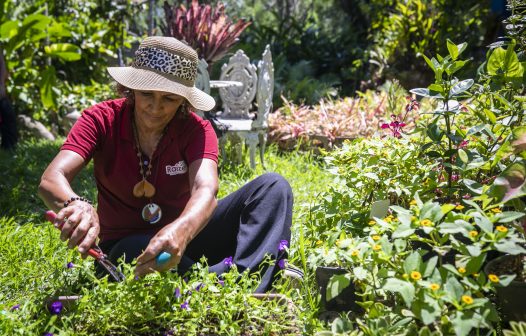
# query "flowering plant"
(423, 265)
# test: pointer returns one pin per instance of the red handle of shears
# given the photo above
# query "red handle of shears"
(51, 216)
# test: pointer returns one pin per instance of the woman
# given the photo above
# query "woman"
(155, 164)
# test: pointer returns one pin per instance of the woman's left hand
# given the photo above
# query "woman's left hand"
(171, 239)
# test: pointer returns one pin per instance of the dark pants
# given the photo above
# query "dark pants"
(247, 225)
(7, 124)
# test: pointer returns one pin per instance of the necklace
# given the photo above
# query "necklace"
(151, 212)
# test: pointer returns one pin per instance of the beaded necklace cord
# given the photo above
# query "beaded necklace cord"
(144, 188)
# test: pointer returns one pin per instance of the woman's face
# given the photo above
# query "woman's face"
(155, 109)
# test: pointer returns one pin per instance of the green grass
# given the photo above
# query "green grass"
(34, 259)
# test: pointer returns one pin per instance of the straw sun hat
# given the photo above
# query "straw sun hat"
(164, 64)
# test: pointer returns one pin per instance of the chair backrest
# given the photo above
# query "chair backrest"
(202, 81)
(237, 101)
(265, 89)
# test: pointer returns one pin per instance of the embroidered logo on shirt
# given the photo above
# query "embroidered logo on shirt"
(178, 168)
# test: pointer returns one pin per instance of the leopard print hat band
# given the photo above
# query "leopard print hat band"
(164, 64)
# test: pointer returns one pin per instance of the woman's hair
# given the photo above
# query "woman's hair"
(126, 92)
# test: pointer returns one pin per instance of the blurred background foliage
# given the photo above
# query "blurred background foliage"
(57, 50)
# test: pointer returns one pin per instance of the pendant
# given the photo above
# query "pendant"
(143, 188)
(151, 213)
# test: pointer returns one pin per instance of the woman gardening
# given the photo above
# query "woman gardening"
(155, 165)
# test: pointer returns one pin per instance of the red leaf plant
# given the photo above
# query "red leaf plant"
(208, 30)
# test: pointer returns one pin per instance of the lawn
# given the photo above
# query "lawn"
(35, 268)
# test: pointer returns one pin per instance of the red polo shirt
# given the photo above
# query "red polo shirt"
(104, 132)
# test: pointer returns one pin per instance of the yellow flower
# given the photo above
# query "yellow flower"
(319, 242)
(473, 233)
(416, 275)
(376, 237)
(502, 228)
(413, 202)
(459, 207)
(377, 247)
(467, 299)
(354, 253)
(372, 222)
(426, 222)
(388, 219)
(434, 286)
(461, 270)
(496, 210)
(493, 278)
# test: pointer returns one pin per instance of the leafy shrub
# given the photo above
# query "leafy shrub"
(331, 120)
(208, 30)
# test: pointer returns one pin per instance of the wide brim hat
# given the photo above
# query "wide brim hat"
(164, 64)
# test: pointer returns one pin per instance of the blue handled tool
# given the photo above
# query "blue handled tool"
(162, 258)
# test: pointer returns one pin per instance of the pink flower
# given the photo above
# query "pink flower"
(394, 126)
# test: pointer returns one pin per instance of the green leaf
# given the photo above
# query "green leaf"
(36, 21)
(460, 87)
(474, 264)
(509, 246)
(446, 208)
(453, 49)
(403, 231)
(404, 288)
(504, 62)
(429, 62)
(421, 92)
(64, 51)
(483, 222)
(463, 156)
(412, 262)
(453, 287)
(8, 30)
(436, 88)
(458, 226)
(430, 266)
(463, 322)
(336, 285)
(360, 273)
(508, 216)
(48, 80)
(473, 186)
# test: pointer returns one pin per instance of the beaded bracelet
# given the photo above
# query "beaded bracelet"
(72, 199)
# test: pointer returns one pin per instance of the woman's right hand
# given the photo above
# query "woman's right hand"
(81, 225)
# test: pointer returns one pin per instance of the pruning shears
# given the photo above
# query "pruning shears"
(102, 258)
(95, 252)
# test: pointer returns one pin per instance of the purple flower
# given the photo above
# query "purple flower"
(169, 333)
(55, 308)
(199, 287)
(283, 244)
(282, 263)
(228, 261)
(15, 307)
(177, 293)
(48, 334)
(70, 265)
(185, 305)
(221, 282)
